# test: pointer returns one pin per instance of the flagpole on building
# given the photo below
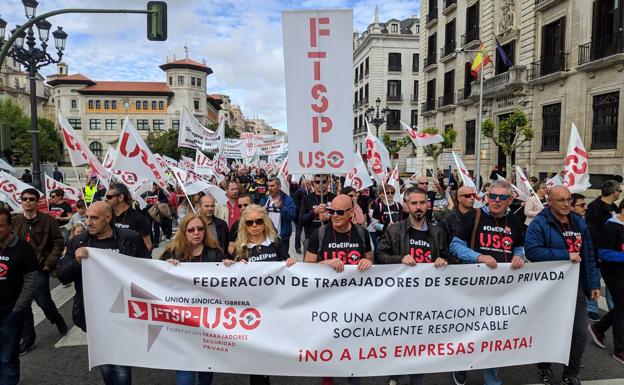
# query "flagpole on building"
(478, 166)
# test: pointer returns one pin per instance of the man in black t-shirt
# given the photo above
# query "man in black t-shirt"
(314, 207)
(18, 286)
(58, 208)
(125, 217)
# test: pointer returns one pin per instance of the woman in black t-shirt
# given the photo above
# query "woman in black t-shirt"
(257, 241)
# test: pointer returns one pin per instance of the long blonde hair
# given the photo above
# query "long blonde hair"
(241, 251)
(180, 248)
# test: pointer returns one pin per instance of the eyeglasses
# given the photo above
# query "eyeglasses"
(53, 196)
(580, 205)
(111, 196)
(318, 181)
(502, 197)
(467, 196)
(422, 183)
(390, 191)
(29, 199)
(258, 222)
(197, 229)
(243, 205)
(338, 212)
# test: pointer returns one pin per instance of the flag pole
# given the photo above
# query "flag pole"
(383, 187)
(82, 188)
(478, 166)
(179, 181)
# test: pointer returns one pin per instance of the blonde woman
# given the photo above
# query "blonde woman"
(257, 241)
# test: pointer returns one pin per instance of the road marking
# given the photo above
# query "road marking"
(60, 295)
(75, 337)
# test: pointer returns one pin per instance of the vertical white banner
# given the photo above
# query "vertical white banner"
(318, 60)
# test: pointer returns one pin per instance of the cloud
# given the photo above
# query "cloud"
(241, 40)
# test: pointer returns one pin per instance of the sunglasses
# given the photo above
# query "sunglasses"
(390, 191)
(111, 196)
(320, 181)
(53, 196)
(468, 196)
(422, 183)
(29, 199)
(338, 212)
(243, 205)
(197, 229)
(258, 222)
(502, 197)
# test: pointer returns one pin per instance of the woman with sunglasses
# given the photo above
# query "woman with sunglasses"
(193, 243)
(257, 241)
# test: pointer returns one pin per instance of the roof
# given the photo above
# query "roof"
(186, 63)
(126, 88)
(71, 79)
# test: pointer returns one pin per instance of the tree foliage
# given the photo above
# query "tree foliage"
(510, 133)
(435, 150)
(394, 148)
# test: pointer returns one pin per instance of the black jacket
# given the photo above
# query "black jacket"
(395, 243)
(207, 255)
(452, 224)
(222, 232)
(307, 218)
(596, 217)
(69, 270)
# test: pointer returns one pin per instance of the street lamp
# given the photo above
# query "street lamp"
(34, 58)
(376, 117)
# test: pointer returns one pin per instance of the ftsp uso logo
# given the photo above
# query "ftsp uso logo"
(137, 310)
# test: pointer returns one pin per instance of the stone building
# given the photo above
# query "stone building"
(567, 59)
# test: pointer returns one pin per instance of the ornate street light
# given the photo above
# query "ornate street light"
(377, 117)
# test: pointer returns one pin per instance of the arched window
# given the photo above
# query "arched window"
(96, 149)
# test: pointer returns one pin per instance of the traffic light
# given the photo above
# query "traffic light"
(157, 21)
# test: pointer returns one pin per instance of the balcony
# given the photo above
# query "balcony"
(447, 52)
(463, 97)
(602, 52)
(542, 5)
(394, 98)
(449, 6)
(446, 102)
(430, 62)
(549, 68)
(414, 99)
(432, 17)
(502, 84)
(394, 68)
(428, 108)
(471, 38)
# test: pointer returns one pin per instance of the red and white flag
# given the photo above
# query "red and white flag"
(524, 185)
(554, 181)
(393, 180)
(421, 139)
(517, 192)
(72, 194)
(203, 164)
(79, 153)
(284, 177)
(186, 163)
(192, 183)
(576, 171)
(377, 156)
(135, 156)
(463, 172)
(358, 177)
(11, 192)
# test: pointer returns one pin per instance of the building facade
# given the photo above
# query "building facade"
(566, 60)
(386, 64)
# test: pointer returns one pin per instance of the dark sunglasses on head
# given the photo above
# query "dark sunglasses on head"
(243, 205)
(29, 199)
(502, 197)
(197, 229)
(258, 222)
(111, 196)
(468, 196)
(338, 212)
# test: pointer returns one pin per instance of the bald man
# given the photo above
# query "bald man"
(100, 235)
(217, 227)
(558, 234)
(453, 221)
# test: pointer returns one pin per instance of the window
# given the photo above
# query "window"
(432, 46)
(180, 80)
(394, 61)
(110, 124)
(158, 124)
(196, 104)
(366, 66)
(145, 104)
(75, 123)
(90, 104)
(96, 148)
(355, 125)
(142, 124)
(175, 124)
(355, 98)
(415, 94)
(553, 48)
(95, 124)
(470, 137)
(355, 80)
(74, 103)
(161, 105)
(605, 120)
(170, 80)
(121, 122)
(431, 94)
(415, 61)
(449, 88)
(199, 82)
(449, 38)
(607, 28)
(366, 93)
(114, 104)
(107, 104)
(154, 104)
(192, 81)
(361, 71)
(472, 23)
(394, 90)
(98, 105)
(138, 104)
(509, 49)
(414, 119)
(394, 28)
(393, 122)
(551, 126)
(468, 79)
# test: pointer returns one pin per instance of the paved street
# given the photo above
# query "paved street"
(64, 360)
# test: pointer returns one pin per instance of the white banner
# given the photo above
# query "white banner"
(192, 183)
(307, 320)
(234, 148)
(270, 145)
(192, 134)
(358, 177)
(318, 61)
(11, 192)
(576, 171)
(377, 155)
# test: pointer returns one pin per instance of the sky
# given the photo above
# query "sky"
(240, 40)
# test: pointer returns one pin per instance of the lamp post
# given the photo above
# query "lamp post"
(33, 58)
(375, 116)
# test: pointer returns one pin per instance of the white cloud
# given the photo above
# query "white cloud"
(240, 40)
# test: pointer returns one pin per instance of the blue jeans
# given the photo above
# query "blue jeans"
(116, 374)
(490, 377)
(592, 306)
(45, 302)
(10, 334)
(193, 378)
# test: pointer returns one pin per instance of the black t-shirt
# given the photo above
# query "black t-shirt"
(269, 253)
(383, 212)
(349, 247)
(14, 263)
(233, 234)
(60, 210)
(111, 244)
(495, 236)
(133, 220)
(419, 246)
(572, 235)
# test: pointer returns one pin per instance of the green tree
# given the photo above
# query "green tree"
(510, 134)
(394, 147)
(434, 150)
(166, 143)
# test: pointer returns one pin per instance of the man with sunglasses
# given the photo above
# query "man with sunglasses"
(314, 208)
(100, 234)
(453, 221)
(42, 232)
(490, 235)
(281, 209)
(126, 217)
(58, 208)
(557, 234)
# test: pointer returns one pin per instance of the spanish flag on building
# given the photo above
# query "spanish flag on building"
(480, 61)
